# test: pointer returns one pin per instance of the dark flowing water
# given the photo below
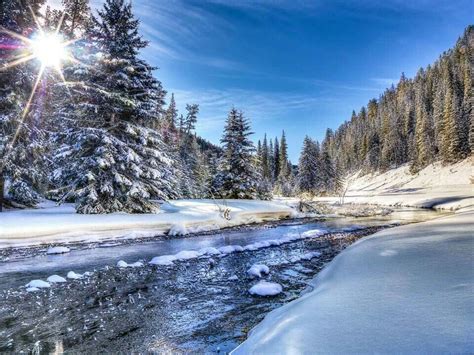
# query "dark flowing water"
(189, 307)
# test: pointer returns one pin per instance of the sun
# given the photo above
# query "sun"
(50, 49)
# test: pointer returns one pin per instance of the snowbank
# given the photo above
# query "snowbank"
(52, 224)
(441, 187)
(403, 290)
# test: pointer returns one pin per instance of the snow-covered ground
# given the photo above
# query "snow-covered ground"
(436, 186)
(51, 223)
(403, 290)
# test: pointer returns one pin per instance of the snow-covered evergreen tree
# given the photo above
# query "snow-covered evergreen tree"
(308, 168)
(237, 176)
(21, 135)
(112, 159)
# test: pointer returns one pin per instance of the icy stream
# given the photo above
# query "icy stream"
(201, 305)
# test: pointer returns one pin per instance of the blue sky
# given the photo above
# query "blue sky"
(301, 66)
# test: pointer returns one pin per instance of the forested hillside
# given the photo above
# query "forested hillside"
(418, 121)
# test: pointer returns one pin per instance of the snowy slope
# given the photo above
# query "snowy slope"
(403, 290)
(52, 223)
(436, 186)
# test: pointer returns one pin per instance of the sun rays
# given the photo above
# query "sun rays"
(49, 48)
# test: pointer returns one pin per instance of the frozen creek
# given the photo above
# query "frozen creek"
(192, 306)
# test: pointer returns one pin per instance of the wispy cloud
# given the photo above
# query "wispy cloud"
(384, 82)
(257, 105)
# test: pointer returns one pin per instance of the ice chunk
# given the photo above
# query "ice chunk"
(265, 288)
(122, 264)
(58, 250)
(56, 279)
(257, 270)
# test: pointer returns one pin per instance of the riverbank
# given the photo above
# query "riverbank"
(50, 223)
(403, 290)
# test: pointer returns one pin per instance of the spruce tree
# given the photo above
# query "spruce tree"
(112, 159)
(308, 166)
(237, 176)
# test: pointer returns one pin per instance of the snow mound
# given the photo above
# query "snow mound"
(72, 275)
(38, 284)
(163, 260)
(32, 289)
(265, 288)
(56, 279)
(233, 278)
(58, 250)
(257, 270)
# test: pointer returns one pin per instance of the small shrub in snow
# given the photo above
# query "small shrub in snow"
(178, 229)
(264, 288)
(257, 270)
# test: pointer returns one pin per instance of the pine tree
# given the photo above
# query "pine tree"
(276, 160)
(237, 177)
(265, 160)
(283, 157)
(168, 127)
(113, 160)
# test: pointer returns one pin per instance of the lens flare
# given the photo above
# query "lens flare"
(49, 49)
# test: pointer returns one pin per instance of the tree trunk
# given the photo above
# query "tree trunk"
(2, 184)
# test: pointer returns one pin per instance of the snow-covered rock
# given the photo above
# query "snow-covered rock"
(56, 279)
(58, 250)
(233, 278)
(257, 270)
(163, 260)
(187, 254)
(123, 264)
(38, 284)
(72, 275)
(265, 288)
(209, 251)
(229, 249)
